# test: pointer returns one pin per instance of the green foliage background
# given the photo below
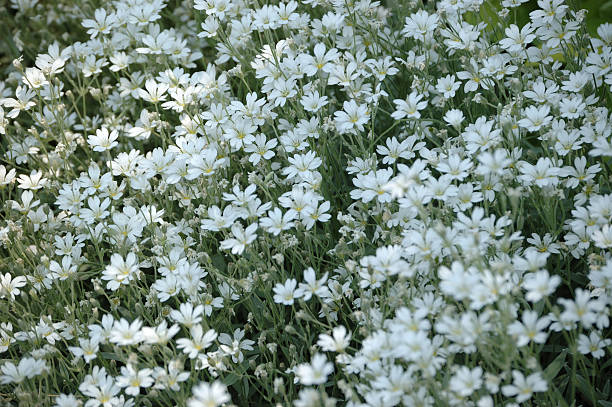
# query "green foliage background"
(600, 11)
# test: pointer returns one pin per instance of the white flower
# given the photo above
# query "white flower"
(187, 314)
(101, 24)
(593, 344)
(602, 277)
(101, 333)
(312, 286)
(92, 66)
(121, 271)
(67, 400)
(572, 108)
(6, 177)
(133, 379)
(34, 78)
(209, 395)
(454, 117)
(372, 185)
(543, 174)
(420, 25)
(352, 118)
(160, 334)
(233, 346)
(199, 341)
(337, 342)
(315, 372)
(9, 286)
(318, 213)
(313, 102)
(282, 90)
(154, 93)
(523, 388)
(242, 238)
(210, 26)
(531, 329)
(101, 388)
(454, 167)
(582, 308)
(516, 40)
(88, 349)
(602, 238)
(322, 60)
(205, 163)
(286, 293)
(393, 150)
(410, 107)
(124, 333)
(447, 86)
(120, 60)
(466, 381)
(494, 162)
(576, 81)
(456, 281)
(260, 149)
(302, 165)
(33, 181)
(218, 220)
(539, 285)
(26, 369)
(535, 118)
(103, 140)
(276, 221)
(543, 244)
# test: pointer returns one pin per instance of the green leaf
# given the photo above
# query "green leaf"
(563, 383)
(554, 348)
(552, 370)
(245, 387)
(604, 8)
(230, 379)
(606, 365)
(605, 403)
(586, 390)
(219, 262)
(111, 356)
(8, 39)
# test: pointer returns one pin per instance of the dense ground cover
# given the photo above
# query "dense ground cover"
(314, 203)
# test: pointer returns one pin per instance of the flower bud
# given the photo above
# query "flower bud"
(17, 63)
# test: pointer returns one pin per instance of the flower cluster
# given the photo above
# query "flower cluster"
(305, 203)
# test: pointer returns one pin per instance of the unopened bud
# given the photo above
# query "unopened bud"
(17, 63)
